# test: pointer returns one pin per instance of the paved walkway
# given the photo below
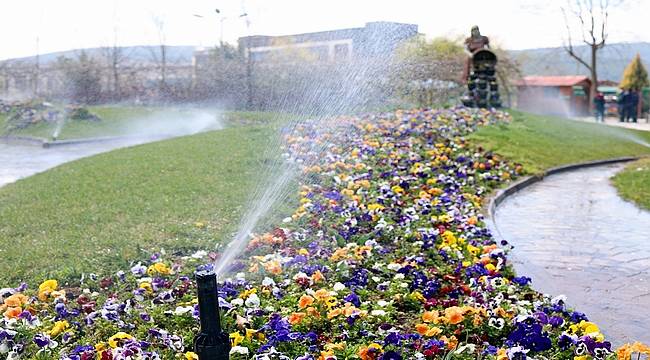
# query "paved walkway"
(641, 124)
(575, 236)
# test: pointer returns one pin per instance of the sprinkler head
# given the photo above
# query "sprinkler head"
(211, 343)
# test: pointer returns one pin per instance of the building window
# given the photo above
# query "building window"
(341, 51)
(320, 52)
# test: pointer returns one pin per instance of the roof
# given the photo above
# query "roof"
(376, 30)
(552, 80)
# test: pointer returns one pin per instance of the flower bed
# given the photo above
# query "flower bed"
(387, 257)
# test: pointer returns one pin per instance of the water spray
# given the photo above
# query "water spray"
(212, 343)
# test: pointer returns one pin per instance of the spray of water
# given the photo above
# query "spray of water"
(321, 102)
(172, 123)
(633, 137)
(59, 126)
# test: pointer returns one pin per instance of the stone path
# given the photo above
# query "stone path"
(19, 161)
(573, 235)
(641, 124)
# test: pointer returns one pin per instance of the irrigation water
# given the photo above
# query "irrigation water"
(349, 88)
(19, 161)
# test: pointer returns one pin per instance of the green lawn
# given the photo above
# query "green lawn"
(138, 120)
(541, 142)
(99, 213)
(633, 183)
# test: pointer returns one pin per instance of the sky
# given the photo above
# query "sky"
(28, 27)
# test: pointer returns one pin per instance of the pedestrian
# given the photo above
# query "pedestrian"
(599, 103)
(622, 102)
(632, 102)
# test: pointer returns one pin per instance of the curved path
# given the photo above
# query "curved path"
(19, 161)
(574, 235)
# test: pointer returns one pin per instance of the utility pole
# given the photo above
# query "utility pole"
(37, 67)
(249, 66)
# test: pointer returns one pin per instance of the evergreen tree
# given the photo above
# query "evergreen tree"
(635, 76)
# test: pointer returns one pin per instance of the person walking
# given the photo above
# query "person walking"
(632, 104)
(599, 104)
(622, 102)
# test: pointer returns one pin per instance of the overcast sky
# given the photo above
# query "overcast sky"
(31, 26)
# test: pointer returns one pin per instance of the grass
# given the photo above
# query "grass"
(138, 120)
(100, 213)
(633, 183)
(541, 142)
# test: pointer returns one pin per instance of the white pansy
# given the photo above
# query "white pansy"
(239, 350)
(200, 254)
(338, 286)
(378, 313)
(394, 266)
(180, 310)
(253, 301)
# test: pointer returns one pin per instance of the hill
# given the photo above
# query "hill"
(537, 61)
(555, 61)
(180, 54)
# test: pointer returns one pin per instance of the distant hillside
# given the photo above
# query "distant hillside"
(136, 54)
(543, 61)
(613, 59)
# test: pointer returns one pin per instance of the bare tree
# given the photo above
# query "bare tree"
(115, 57)
(592, 22)
(161, 56)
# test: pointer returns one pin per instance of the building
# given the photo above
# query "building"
(556, 95)
(374, 39)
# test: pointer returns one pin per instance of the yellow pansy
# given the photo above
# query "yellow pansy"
(46, 288)
(246, 293)
(59, 327)
(236, 338)
(113, 341)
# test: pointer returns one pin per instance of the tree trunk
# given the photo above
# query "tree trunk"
(116, 84)
(163, 69)
(594, 75)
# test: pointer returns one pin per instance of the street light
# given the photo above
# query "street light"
(222, 18)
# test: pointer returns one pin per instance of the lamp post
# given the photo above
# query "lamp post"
(249, 65)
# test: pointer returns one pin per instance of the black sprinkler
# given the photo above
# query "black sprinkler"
(211, 343)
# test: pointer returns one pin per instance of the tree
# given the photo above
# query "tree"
(219, 76)
(428, 72)
(82, 80)
(161, 58)
(635, 76)
(114, 56)
(592, 23)
(508, 71)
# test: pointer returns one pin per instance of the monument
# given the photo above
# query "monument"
(480, 73)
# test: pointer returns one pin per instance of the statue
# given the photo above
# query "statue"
(474, 43)
(480, 73)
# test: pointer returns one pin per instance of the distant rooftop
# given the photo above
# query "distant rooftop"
(568, 80)
(370, 31)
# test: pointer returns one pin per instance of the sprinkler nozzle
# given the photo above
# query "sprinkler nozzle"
(211, 343)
